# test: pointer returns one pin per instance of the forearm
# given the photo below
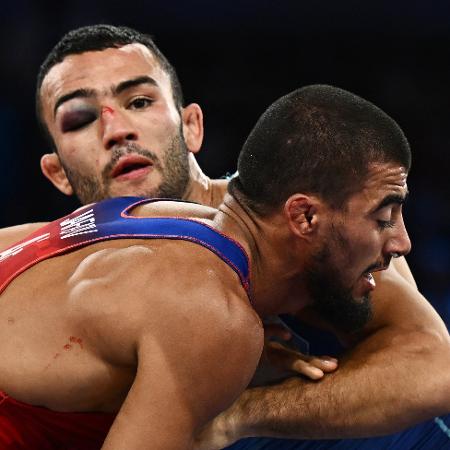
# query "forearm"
(374, 392)
(397, 375)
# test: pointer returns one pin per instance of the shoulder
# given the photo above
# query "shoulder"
(11, 235)
(168, 289)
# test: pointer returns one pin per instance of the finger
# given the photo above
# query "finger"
(305, 368)
(286, 359)
(325, 363)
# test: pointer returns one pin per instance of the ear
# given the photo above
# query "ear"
(302, 212)
(51, 167)
(192, 120)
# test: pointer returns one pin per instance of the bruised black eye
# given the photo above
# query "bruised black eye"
(77, 118)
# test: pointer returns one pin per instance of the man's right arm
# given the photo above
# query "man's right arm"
(196, 343)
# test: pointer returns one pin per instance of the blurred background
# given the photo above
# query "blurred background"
(234, 59)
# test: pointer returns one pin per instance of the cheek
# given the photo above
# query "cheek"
(360, 249)
(162, 124)
(369, 249)
(81, 158)
(371, 240)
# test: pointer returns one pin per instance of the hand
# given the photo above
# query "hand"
(279, 361)
(285, 359)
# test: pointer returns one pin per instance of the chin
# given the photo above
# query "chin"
(362, 297)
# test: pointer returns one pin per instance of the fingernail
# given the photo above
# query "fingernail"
(329, 360)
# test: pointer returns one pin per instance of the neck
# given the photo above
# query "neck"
(276, 265)
(201, 189)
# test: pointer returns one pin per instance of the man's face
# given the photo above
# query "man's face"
(114, 122)
(359, 241)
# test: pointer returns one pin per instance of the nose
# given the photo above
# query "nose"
(117, 128)
(398, 243)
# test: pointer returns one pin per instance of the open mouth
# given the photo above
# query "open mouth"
(131, 166)
(368, 275)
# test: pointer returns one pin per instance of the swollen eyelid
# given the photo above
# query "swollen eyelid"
(73, 120)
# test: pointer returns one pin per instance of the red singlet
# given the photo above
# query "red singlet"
(24, 426)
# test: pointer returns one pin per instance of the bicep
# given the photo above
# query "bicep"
(156, 414)
(186, 375)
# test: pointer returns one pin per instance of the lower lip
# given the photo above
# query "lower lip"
(134, 174)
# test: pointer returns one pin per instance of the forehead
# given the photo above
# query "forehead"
(383, 180)
(100, 70)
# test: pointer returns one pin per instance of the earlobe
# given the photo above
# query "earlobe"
(192, 121)
(51, 167)
(301, 211)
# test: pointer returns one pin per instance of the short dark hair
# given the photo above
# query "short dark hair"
(98, 38)
(316, 140)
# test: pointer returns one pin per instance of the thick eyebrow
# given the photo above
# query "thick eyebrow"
(391, 199)
(79, 93)
(124, 85)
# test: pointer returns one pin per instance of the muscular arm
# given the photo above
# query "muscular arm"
(196, 350)
(397, 375)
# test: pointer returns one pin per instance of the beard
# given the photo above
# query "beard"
(174, 170)
(331, 298)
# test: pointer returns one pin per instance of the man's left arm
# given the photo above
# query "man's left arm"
(397, 375)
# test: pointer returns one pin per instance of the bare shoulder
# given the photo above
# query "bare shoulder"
(197, 343)
(179, 316)
(183, 210)
(11, 235)
(175, 291)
